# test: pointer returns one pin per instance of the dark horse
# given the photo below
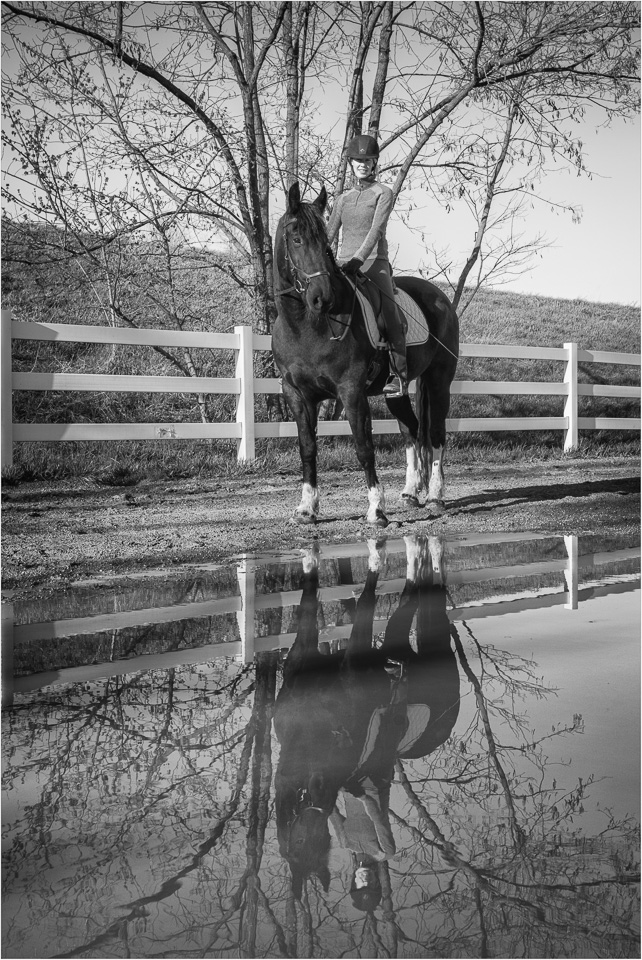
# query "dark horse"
(315, 300)
(343, 719)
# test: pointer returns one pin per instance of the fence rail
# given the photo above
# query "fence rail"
(245, 386)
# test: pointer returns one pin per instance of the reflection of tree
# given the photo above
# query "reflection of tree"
(127, 761)
(521, 880)
(259, 802)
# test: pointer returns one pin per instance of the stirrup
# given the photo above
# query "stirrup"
(395, 387)
(395, 668)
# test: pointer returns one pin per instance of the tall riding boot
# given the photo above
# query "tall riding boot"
(397, 384)
(379, 272)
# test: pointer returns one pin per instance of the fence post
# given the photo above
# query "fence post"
(245, 403)
(571, 574)
(571, 405)
(246, 575)
(6, 412)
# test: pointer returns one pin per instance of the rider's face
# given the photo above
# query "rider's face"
(363, 168)
(363, 877)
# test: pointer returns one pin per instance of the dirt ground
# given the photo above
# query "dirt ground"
(57, 535)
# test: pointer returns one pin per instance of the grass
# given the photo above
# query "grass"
(127, 463)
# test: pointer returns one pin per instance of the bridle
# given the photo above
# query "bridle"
(304, 802)
(301, 279)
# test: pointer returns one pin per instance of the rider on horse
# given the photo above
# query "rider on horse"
(362, 216)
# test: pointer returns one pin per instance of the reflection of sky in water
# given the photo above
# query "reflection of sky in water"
(139, 814)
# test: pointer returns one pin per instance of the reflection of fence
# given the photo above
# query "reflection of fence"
(246, 604)
(245, 386)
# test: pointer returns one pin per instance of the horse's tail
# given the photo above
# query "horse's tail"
(424, 445)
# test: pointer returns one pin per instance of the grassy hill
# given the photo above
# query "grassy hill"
(502, 317)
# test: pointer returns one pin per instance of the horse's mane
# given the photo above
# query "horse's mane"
(311, 224)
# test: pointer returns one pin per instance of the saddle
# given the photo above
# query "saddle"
(370, 302)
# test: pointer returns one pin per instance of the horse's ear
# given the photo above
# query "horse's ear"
(322, 200)
(294, 198)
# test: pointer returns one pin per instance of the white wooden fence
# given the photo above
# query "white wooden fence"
(245, 386)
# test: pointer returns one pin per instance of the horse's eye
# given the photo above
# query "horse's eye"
(297, 241)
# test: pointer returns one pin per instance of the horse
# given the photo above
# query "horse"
(343, 719)
(315, 299)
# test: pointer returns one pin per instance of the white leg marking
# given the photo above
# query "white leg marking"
(437, 486)
(310, 558)
(308, 509)
(376, 555)
(436, 547)
(413, 555)
(413, 473)
(377, 509)
(417, 558)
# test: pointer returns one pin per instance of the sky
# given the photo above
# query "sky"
(597, 259)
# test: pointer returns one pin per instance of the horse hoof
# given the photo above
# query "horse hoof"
(303, 519)
(410, 500)
(437, 506)
(380, 520)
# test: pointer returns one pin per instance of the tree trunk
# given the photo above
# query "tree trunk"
(383, 62)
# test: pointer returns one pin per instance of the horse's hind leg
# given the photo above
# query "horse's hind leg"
(439, 405)
(433, 399)
(401, 408)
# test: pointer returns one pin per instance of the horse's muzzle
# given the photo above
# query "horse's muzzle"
(319, 296)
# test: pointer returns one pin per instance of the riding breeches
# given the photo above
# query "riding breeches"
(379, 272)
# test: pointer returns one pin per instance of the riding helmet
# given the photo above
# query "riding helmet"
(363, 147)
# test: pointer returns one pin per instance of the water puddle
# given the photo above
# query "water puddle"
(415, 748)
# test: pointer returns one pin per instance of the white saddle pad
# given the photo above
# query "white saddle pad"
(417, 325)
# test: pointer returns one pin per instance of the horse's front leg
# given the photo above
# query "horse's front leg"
(305, 413)
(358, 413)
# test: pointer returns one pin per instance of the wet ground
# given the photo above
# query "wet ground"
(423, 748)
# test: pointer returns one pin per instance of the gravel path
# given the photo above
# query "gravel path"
(55, 535)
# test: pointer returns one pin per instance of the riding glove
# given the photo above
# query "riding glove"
(352, 266)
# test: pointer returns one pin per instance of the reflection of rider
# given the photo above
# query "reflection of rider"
(362, 216)
(363, 825)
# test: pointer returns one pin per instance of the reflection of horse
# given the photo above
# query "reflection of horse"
(314, 720)
(315, 301)
(343, 719)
